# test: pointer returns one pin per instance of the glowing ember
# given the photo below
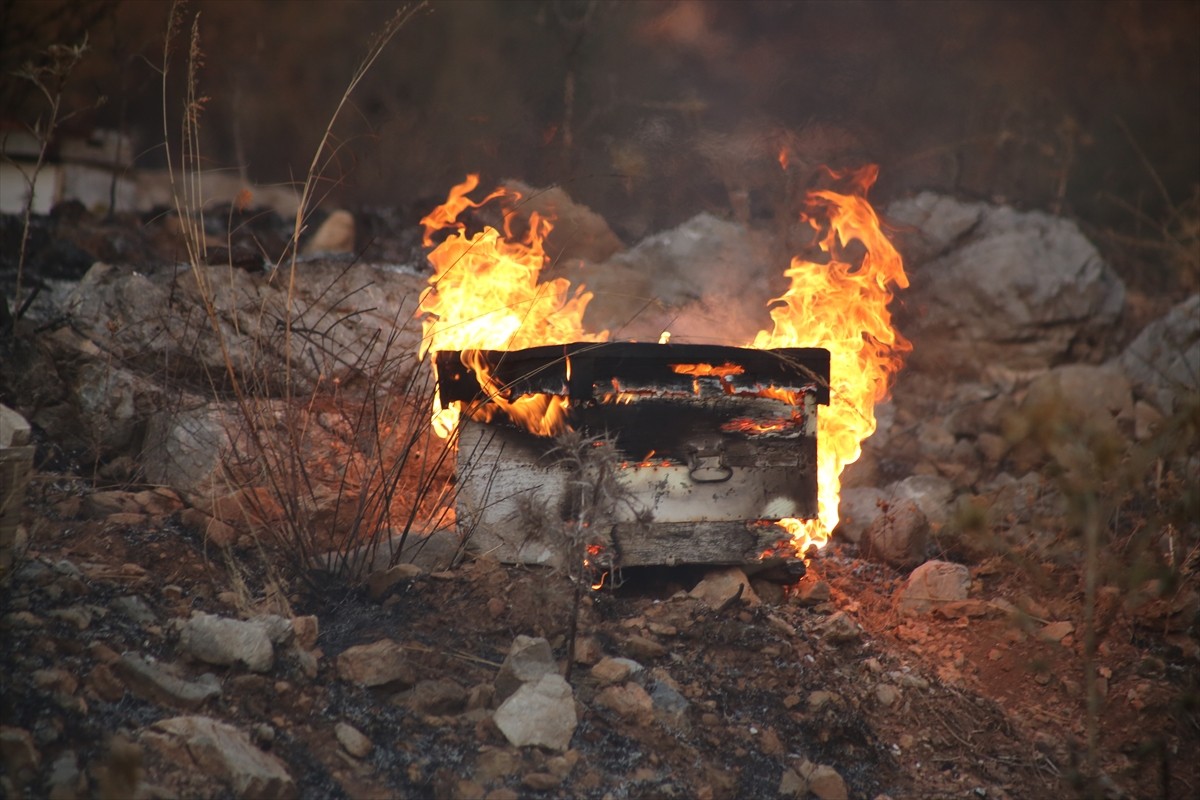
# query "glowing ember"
(485, 295)
(841, 305)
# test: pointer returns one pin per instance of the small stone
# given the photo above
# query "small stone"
(899, 535)
(495, 607)
(819, 699)
(643, 648)
(540, 781)
(352, 740)
(720, 588)
(588, 650)
(493, 764)
(19, 755)
(540, 713)
(528, 659)
(157, 683)
(840, 628)
(222, 752)
(827, 784)
(441, 696)
(792, 785)
(887, 694)
(225, 641)
(812, 592)
(306, 630)
(614, 670)
(377, 664)
(629, 701)
(668, 699)
(1056, 631)
(932, 584)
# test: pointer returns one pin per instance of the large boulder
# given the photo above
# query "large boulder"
(1163, 362)
(708, 280)
(991, 284)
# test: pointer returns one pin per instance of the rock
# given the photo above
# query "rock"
(441, 696)
(1163, 362)
(377, 664)
(588, 650)
(825, 782)
(578, 232)
(813, 592)
(931, 584)
(306, 630)
(1056, 631)
(540, 781)
(667, 699)
(898, 536)
(528, 659)
(821, 698)
(1023, 289)
(840, 628)
(690, 280)
(352, 740)
(858, 507)
(614, 670)
(932, 494)
(643, 648)
(135, 608)
(335, 235)
(494, 764)
(721, 587)
(66, 781)
(381, 582)
(1083, 391)
(887, 695)
(792, 785)
(216, 750)
(19, 754)
(225, 642)
(158, 683)
(629, 701)
(540, 713)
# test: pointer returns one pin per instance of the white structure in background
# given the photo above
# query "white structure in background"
(95, 170)
(98, 169)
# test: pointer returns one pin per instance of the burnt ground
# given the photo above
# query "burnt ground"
(970, 703)
(986, 698)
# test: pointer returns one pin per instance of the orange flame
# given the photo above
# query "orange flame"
(485, 295)
(842, 306)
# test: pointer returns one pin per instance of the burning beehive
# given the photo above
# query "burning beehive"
(719, 443)
(714, 446)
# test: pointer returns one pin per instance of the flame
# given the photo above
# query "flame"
(707, 370)
(842, 305)
(485, 295)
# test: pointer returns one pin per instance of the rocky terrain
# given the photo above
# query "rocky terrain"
(1008, 609)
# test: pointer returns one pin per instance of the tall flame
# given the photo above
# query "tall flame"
(842, 305)
(485, 295)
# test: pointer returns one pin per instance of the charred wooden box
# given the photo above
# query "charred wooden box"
(713, 446)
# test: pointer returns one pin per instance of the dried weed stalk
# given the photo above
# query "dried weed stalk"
(392, 473)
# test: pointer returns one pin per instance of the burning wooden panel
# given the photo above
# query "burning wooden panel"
(712, 446)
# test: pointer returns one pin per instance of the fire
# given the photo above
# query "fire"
(485, 295)
(842, 305)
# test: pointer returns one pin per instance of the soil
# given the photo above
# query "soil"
(970, 704)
